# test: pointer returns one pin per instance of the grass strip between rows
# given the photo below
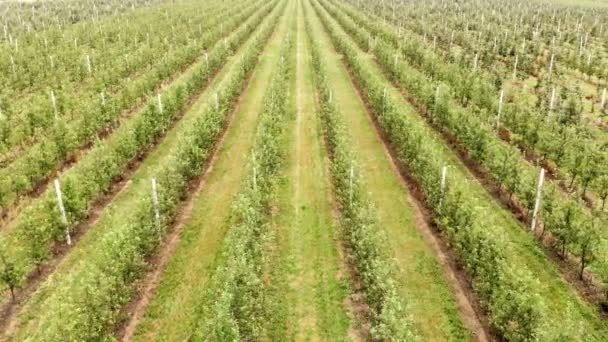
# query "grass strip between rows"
(390, 321)
(240, 302)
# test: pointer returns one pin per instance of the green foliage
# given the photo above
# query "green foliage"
(40, 226)
(391, 321)
(504, 163)
(240, 302)
(85, 304)
(66, 136)
(514, 312)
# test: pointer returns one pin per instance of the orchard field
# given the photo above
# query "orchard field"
(309, 170)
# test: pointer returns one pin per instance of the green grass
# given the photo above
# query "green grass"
(120, 208)
(564, 308)
(311, 264)
(421, 280)
(172, 313)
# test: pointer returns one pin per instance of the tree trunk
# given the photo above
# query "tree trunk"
(572, 181)
(584, 191)
(582, 272)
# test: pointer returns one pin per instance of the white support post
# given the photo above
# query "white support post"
(444, 174)
(515, 67)
(160, 103)
(54, 103)
(603, 98)
(13, 66)
(475, 61)
(254, 176)
(451, 41)
(541, 179)
(350, 184)
(502, 93)
(155, 203)
(88, 62)
(436, 100)
(551, 65)
(64, 218)
(207, 60)
(331, 96)
(552, 102)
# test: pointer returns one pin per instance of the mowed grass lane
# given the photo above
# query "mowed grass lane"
(311, 265)
(421, 279)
